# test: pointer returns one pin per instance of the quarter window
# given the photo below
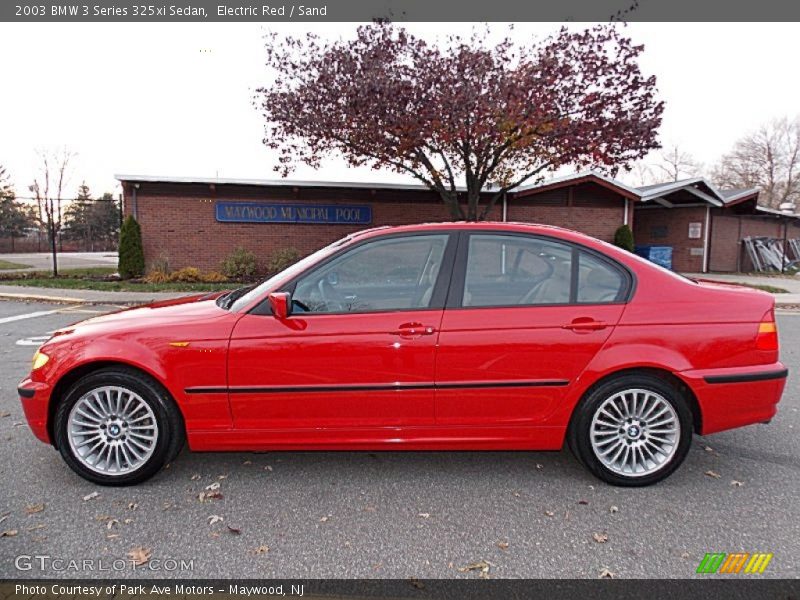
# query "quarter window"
(389, 274)
(598, 281)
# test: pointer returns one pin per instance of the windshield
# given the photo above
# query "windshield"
(251, 294)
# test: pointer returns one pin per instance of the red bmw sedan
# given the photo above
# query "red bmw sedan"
(452, 336)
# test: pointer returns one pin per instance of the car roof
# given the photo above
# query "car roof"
(467, 226)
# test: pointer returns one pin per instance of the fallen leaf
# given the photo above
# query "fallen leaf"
(708, 448)
(3, 518)
(600, 538)
(549, 513)
(613, 509)
(516, 494)
(234, 530)
(268, 468)
(128, 521)
(35, 527)
(735, 483)
(416, 583)
(684, 555)
(221, 477)
(111, 523)
(3, 415)
(539, 466)
(34, 508)
(606, 574)
(213, 486)
(132, 506)
(502, 545)
(214, 519)
(370, 509)
(140, 555)
(209, 496)
(261, 550)
(196, 477)
(103, 518)
(8, 533)
(91, 496)
(112, 536)
(481, 566)
(324, 519)
(713, 474)
(424, 515)
(248, 462)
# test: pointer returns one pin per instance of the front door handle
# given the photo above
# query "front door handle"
(414, 329)
(585, 325)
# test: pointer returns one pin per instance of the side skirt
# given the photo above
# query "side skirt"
(376, 439)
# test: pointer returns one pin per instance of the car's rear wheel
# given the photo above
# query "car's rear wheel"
(117, 427)
(633, 430)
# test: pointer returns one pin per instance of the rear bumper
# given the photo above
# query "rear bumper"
(35, 397)
(735, 397)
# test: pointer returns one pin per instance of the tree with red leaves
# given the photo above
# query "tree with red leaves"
(489, 116)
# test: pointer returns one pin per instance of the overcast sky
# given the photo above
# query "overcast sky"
(176, 99)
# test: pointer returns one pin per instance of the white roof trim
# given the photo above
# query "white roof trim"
(274, 182)
(579, 175)
(775, 211)
(688, 185)
(740, 195)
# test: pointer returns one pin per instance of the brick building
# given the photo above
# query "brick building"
(198, 222)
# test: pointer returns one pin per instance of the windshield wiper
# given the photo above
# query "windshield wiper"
(226, 300)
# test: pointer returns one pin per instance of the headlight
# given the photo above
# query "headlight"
(39, 360)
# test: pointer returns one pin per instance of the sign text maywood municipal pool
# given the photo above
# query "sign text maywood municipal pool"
(268, 212)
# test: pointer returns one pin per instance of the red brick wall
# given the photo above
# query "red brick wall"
(178, 221)
(587, 208)
(675, 223)
(728, 230)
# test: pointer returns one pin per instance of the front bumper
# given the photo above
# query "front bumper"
(734, 397)
(35, 399)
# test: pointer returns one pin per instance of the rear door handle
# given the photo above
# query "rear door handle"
(584, 324)
(413, 329)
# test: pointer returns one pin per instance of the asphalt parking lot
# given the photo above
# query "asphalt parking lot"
(395, 515)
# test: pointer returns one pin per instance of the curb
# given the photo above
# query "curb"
(39, 298)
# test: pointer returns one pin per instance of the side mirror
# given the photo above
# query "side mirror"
(281, 304)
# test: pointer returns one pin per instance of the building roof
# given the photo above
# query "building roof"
(273, 182)
(575, 178)
(659, 192)
(737, 195)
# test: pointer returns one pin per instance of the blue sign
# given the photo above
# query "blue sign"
(268, 212)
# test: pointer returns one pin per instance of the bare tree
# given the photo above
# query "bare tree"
(767, 158)
(47, 188)
(674, 164)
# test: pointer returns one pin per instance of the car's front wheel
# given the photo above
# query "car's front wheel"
(117, 427)
(633, 430)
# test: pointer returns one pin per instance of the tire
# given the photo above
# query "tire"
(633, 430)
(117, 427)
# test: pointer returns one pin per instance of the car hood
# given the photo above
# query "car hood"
(186, 309)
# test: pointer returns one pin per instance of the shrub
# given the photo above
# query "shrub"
(131, 253)
(156, 276)
(282, 259)
(160, 264)
(186, 275)
(214, 277)
(623, 238)
(240, 264)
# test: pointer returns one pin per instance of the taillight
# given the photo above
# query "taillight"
(767, 338)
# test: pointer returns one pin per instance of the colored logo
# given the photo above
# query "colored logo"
(738, 562)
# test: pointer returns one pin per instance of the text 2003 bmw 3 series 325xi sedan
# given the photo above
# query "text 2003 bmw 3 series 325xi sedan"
(453, 336)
